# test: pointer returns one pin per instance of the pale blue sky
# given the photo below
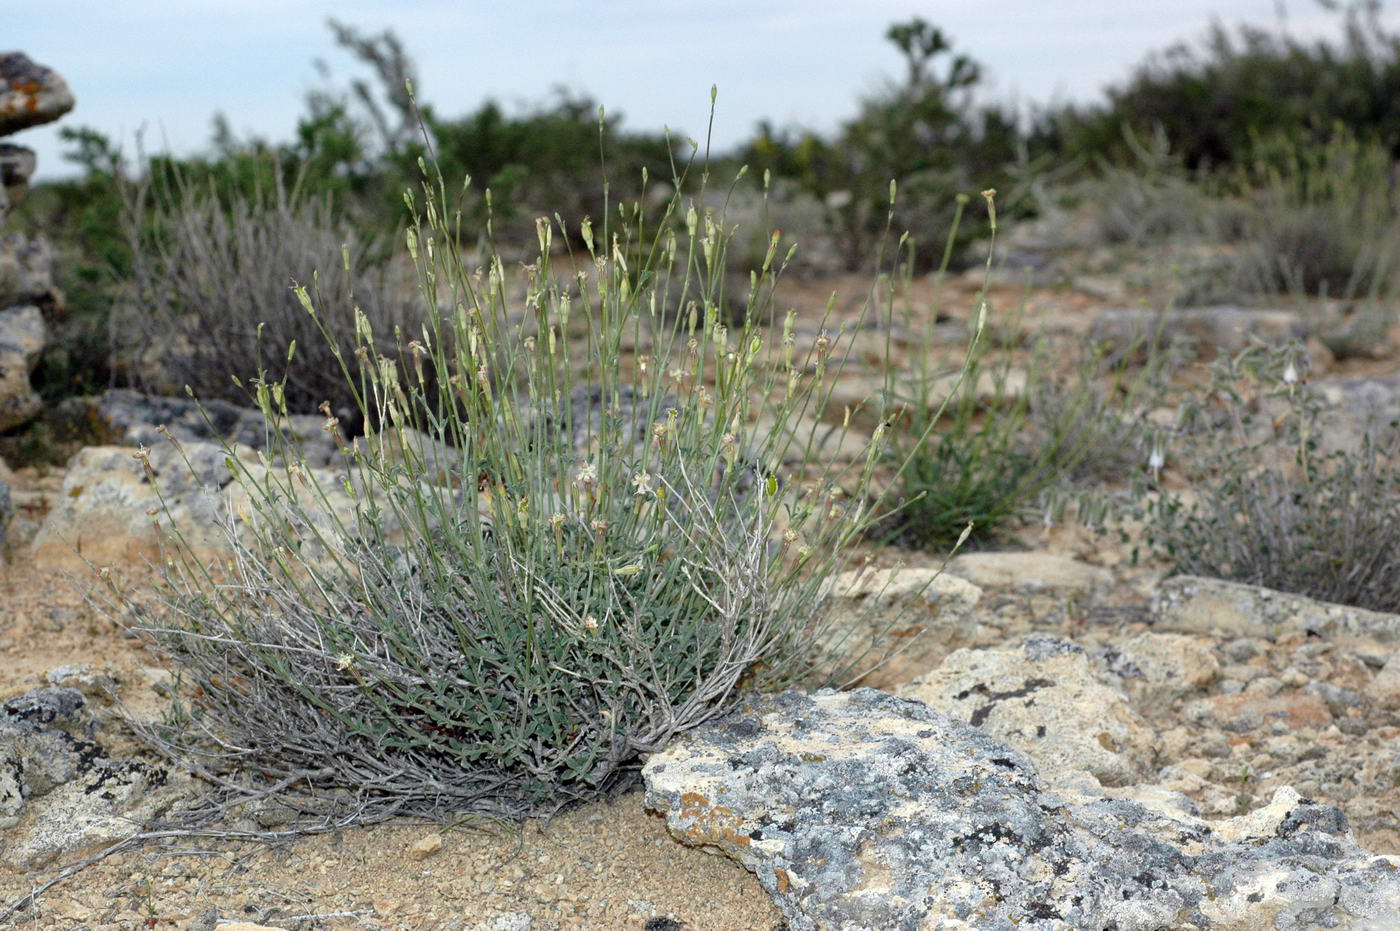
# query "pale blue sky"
(169, 65)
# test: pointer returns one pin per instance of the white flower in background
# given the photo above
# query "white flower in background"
(1155, 460)
(642, 482)
(587, 475)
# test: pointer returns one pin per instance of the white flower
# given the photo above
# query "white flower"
(587, 475)
(1290, 374)
(642, 482)
(1155, 460)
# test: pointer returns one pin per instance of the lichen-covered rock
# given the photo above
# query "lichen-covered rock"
(1195, 604)
(17, 166)
(22, 337)
(30, 94)
(1044, 699)
(26, 273)
(863, 810)
(60, 789)
(131, 418)
(1156, 669)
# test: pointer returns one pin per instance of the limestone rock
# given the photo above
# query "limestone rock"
(1156, 669)
(1208, 329)
(92, 681)
(60, 790)
(7, 511)
(30, 94)
(17, 166)
(26, 272)
(1385, 688)
(1043, 699)
(1195, 604)
(425, 847)
(1031, 572)
(111, 510)
(1355, 408)
(903, 622)
(131, 418)
(862, 810)
(22, 337)
(1242, 713)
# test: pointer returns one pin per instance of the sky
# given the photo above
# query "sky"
(163, 68)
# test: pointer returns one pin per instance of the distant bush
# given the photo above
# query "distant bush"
(561, 554)
(209, 301)
(1264, 502)
(925, 133)
(1215, 99)
(1320, 219)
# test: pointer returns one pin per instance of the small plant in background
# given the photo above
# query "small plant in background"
(1266, 501)
(565, 543)
(986, 445)
(1149, 200)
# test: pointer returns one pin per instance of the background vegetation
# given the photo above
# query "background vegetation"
(1262, 165)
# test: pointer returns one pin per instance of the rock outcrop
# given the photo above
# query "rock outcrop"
(863, 810)
(132, 418)
(60, 789)
(887, 626)
(1042, 698)
(1207, 330)
(1204, 605)
(30, 95)
(22, 335)
(120, 504)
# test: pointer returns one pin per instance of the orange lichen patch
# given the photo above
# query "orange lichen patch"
(784, 882)
(709, 823)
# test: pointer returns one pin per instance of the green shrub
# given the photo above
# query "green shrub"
(1265, 502)
(562, 550)
(925, 132)
(1214, 100)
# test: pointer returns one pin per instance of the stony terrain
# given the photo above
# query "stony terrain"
(1203, 714)
(1069, 739)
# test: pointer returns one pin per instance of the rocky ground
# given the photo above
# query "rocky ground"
(1070, 739)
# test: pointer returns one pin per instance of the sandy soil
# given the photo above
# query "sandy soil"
(604, 865)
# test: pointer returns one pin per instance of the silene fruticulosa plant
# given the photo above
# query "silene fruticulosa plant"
(584, 518)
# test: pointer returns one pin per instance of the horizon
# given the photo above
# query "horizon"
(811, 63)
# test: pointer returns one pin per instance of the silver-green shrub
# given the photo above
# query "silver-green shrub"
(567, 542)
